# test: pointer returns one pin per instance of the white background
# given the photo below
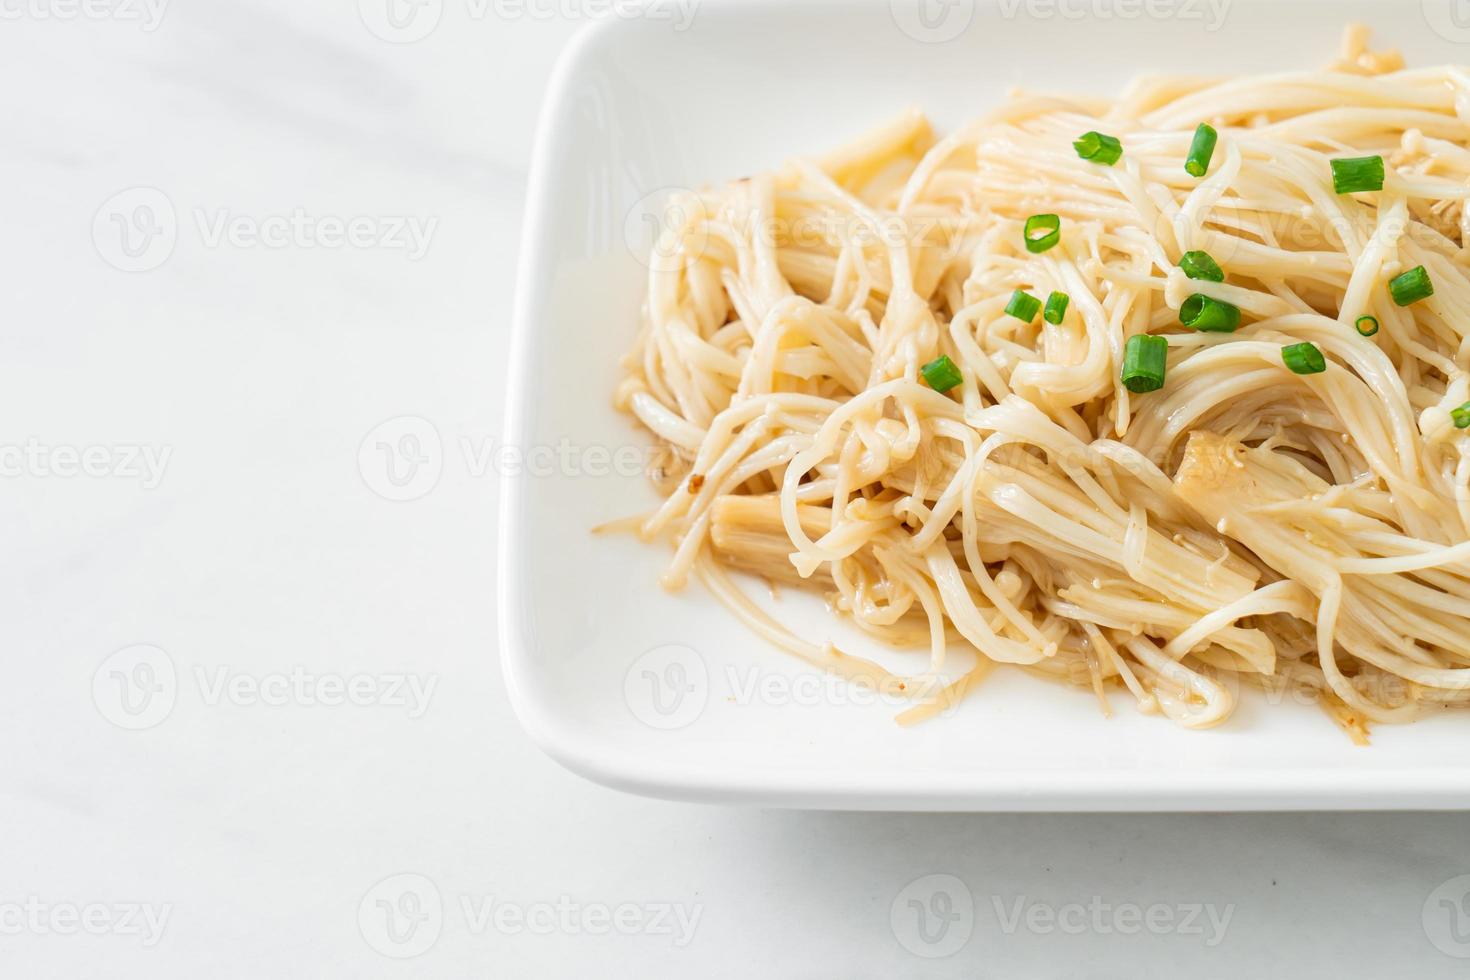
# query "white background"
(262, 830)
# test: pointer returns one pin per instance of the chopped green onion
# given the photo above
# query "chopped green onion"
(1145, 357)
(1023, 306)
(1200, 150)
(941, 373)
(1367, 325)
(1056, 307)
(1304, 359)
(1099, 148)
(1461, 416)
(1199, 265)
(1042, 232)
(1200, 312)
(1354, 174)
(1411, 287)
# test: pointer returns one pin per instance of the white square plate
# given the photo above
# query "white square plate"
(667, 694)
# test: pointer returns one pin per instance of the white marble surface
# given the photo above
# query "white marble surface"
(220, 517)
